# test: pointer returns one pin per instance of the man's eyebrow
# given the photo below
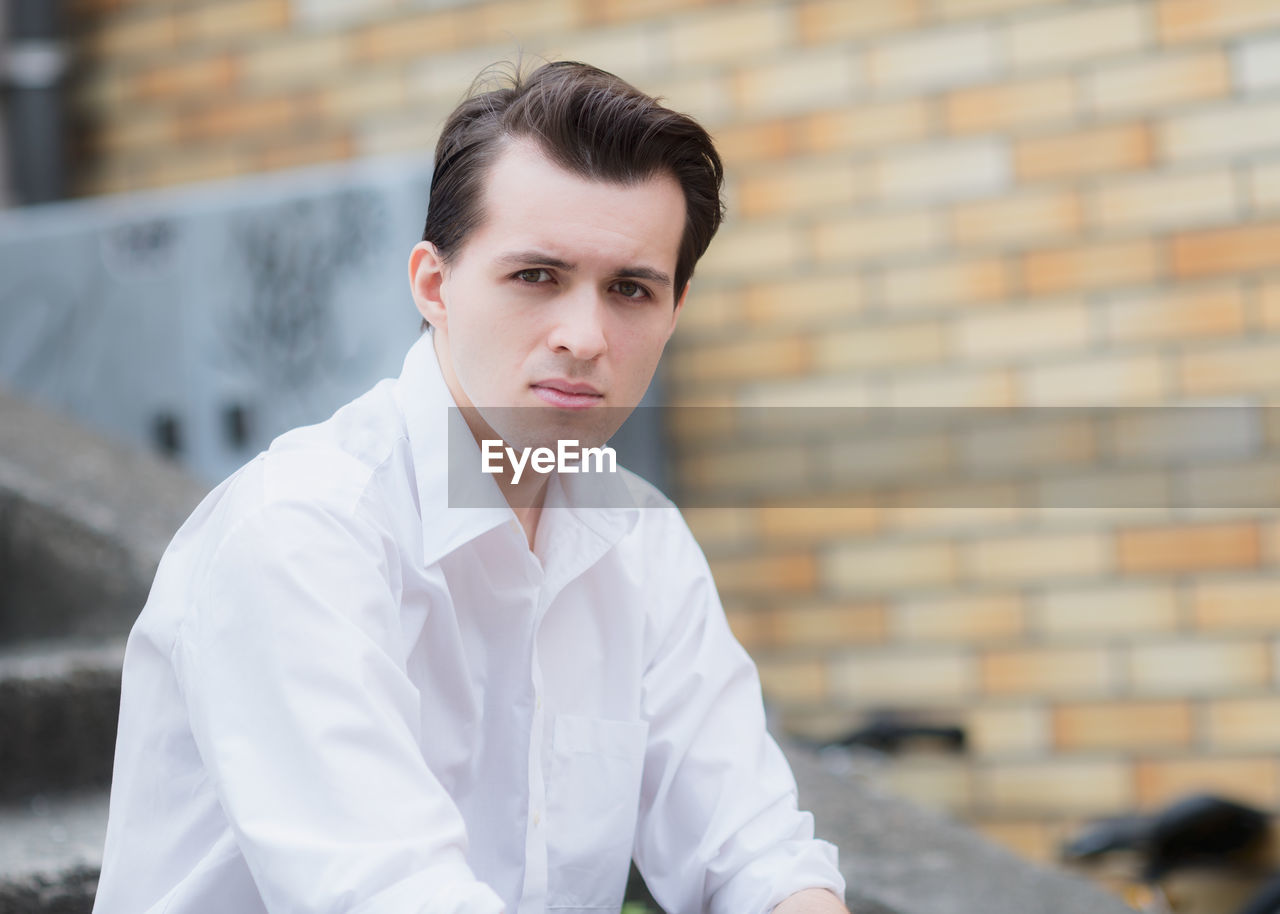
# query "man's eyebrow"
(542, 258)
(654, 276)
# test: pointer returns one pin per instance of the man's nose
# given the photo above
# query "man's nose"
(580, 325)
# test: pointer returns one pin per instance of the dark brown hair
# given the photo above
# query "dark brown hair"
(588, 122)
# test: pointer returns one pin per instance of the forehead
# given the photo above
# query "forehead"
(529, 202)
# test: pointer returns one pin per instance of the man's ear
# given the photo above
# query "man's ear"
(426, 282)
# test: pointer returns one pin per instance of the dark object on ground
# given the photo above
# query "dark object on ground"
(891, 732)
(1105, 836)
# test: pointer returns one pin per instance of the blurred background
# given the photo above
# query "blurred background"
(958, 204)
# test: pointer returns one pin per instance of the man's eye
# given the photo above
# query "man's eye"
(533, 276)
(628, 289)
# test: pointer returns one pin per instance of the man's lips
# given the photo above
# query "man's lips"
(568, 394)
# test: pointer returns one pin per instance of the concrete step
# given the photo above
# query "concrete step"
(51, 852)
(59, 706)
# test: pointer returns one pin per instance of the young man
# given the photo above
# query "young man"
(348, 694)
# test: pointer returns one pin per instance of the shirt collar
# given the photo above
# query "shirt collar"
(604, 504)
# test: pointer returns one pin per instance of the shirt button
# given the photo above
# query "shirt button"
(538, 703)
(537, 819)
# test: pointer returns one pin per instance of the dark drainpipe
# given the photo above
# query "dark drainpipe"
(33, 67)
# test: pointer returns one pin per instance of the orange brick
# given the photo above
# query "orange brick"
(1008, 730)
(130, 38)
(1225, 131)
(765, 574)
(861, 126)
(955, 282)
(727, 34)
(1075, 787)
(744, 143)
(1008, 106)
(805, 185)
(1010, 332)
(1120, 147)
(295, 62)
(1107, 380)
(792, 681)
(857, 568)
(1191, 312)
(306, 151)
(133, 133)
(970, 618)
(410, 36)
(203, 76)
(716, 528)
(833, 20)
(1227, 250)
(742, 360)
(807, 523)
(1122, 725)
(954, 507)
(1090, 266)
(1166, 201)
(808, 300)
(233, 19)
(1248, 780)
(1244, 723)
(1156, 82)
(497, 20)
(271, 114)
(627, 10)
(1237, 368)
(1244, 604)
(1050, 671)
(1190, 20)
(934, 58)
(814, 80)
(1039, 558)
(1036, 216)
(1078, 34)
(1271, 303)
(210, 163)
(953, 388)
(1184, 548)
(933, 675)
(876, 236)
(1106, 611)
(1197, 667)
(824, 625)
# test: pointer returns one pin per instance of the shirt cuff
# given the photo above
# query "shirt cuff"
(767, 881)
(442, 889)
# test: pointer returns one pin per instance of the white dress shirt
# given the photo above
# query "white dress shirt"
(344, 696)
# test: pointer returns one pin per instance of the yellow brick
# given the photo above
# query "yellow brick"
(1075, 35)
(942, 784)
(954, 507)
(859, 568)
(1221, 132)
(1030, 445)
(814, 80)
(944, 171)
(1271, 303)
(804, 402)
(1265, 186)
(634, 54)
(1188, 547)
(1134, 725)
(1238, 368)
(1192, 312)
(1036, 216)
(716, 528)
(790, 522)
(867, 462)
(1196, 667)
(270, 114)
(128, 39)
(879, 346)
(1226, 250)
(793, 573)
(1005, 730)
(962, 9)
(204, 76)
(1090, 266)
(792, 681)
(1008, 106)
(295, 62)
(707, 97)
(1062, 613)
(410, 36)
(499, 21)
(1244, 723)
(750, 248)
(1244, 604)
(1104, 496)
(1013, 332)
(1155, 82)
(358, 98)
(133, 133)
(861, 126)
(805, 301)
(956, 282)
(828, 626)
(1251, 486)
(404, 134)
(1112, 148)
(970, 618)
(722, 477)
(953, 388)
(832, 20)
(1038, 558)
(804, 185)
(921, 675)
(233, 19)
(1050, 671)
(211, 163)
(745, 359)
(1191, 20)
(876, 236)
(938, 58)
(305, 151)
(1165, 201)
(727, 35)
(1077, 787)
(1247, 780)
(1097, 381)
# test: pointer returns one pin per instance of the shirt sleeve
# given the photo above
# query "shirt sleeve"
(292, 664)
(719, 828)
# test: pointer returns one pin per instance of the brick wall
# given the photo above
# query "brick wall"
(953, 203)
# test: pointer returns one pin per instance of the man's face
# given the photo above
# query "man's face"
(559, 304)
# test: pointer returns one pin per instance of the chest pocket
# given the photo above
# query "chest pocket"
(593, 792)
